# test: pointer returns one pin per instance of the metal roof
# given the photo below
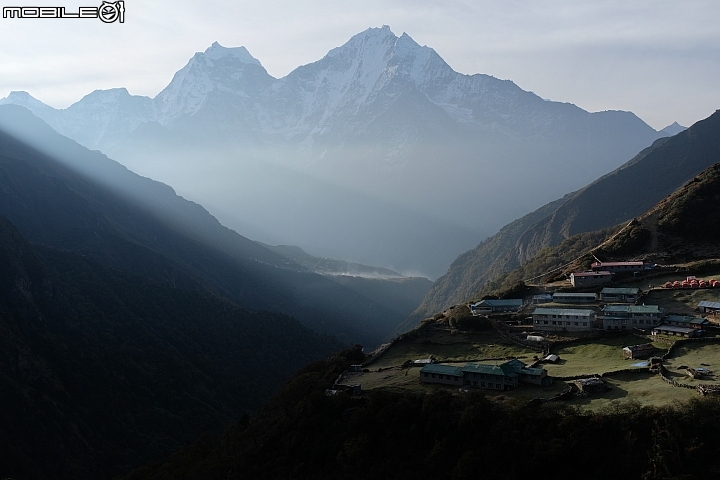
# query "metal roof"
(502, 370)
(686, 319)
(602, 273)
(510, 302)
(574, 294)
(670, 328)
(564, 311)
(620, 291)
(442, 369)
(631, 309)
(707, 304)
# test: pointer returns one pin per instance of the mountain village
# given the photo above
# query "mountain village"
(603, 307)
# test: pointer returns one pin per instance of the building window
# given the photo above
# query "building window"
(482, 384)
(426, 374)
(441, 377)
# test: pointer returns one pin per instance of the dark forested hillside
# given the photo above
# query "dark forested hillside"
(615, 198)
(101, 371)
(79, 200)
(684, 226)
(303, 434)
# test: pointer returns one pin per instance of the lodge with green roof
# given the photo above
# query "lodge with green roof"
(442, 374)
(619, 295)
(491, 376)
(488, 306)
(625, 317)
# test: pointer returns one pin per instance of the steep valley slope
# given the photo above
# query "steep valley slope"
(614, 198)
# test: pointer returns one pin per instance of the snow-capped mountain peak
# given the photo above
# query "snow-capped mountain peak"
(217, 51)
(190, 86)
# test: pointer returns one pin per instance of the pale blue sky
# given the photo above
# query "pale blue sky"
(659, 59)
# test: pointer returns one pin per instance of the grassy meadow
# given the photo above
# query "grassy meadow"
(583, 357)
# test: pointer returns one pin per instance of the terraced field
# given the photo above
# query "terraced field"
(587, 357)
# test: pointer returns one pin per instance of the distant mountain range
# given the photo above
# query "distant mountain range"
(378, 153)
(617, 197)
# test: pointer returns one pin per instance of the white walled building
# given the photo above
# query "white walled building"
(568, 319)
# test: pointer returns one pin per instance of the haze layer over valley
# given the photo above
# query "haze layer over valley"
(378, 153)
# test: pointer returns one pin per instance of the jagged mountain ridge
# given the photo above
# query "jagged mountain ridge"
(612, 199)
(380, 124)
(346, 79)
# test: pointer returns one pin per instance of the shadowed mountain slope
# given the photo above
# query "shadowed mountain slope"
(683, 227)
(101, 371)
(81, 201)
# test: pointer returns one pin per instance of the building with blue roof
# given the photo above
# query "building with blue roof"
(709, 307)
